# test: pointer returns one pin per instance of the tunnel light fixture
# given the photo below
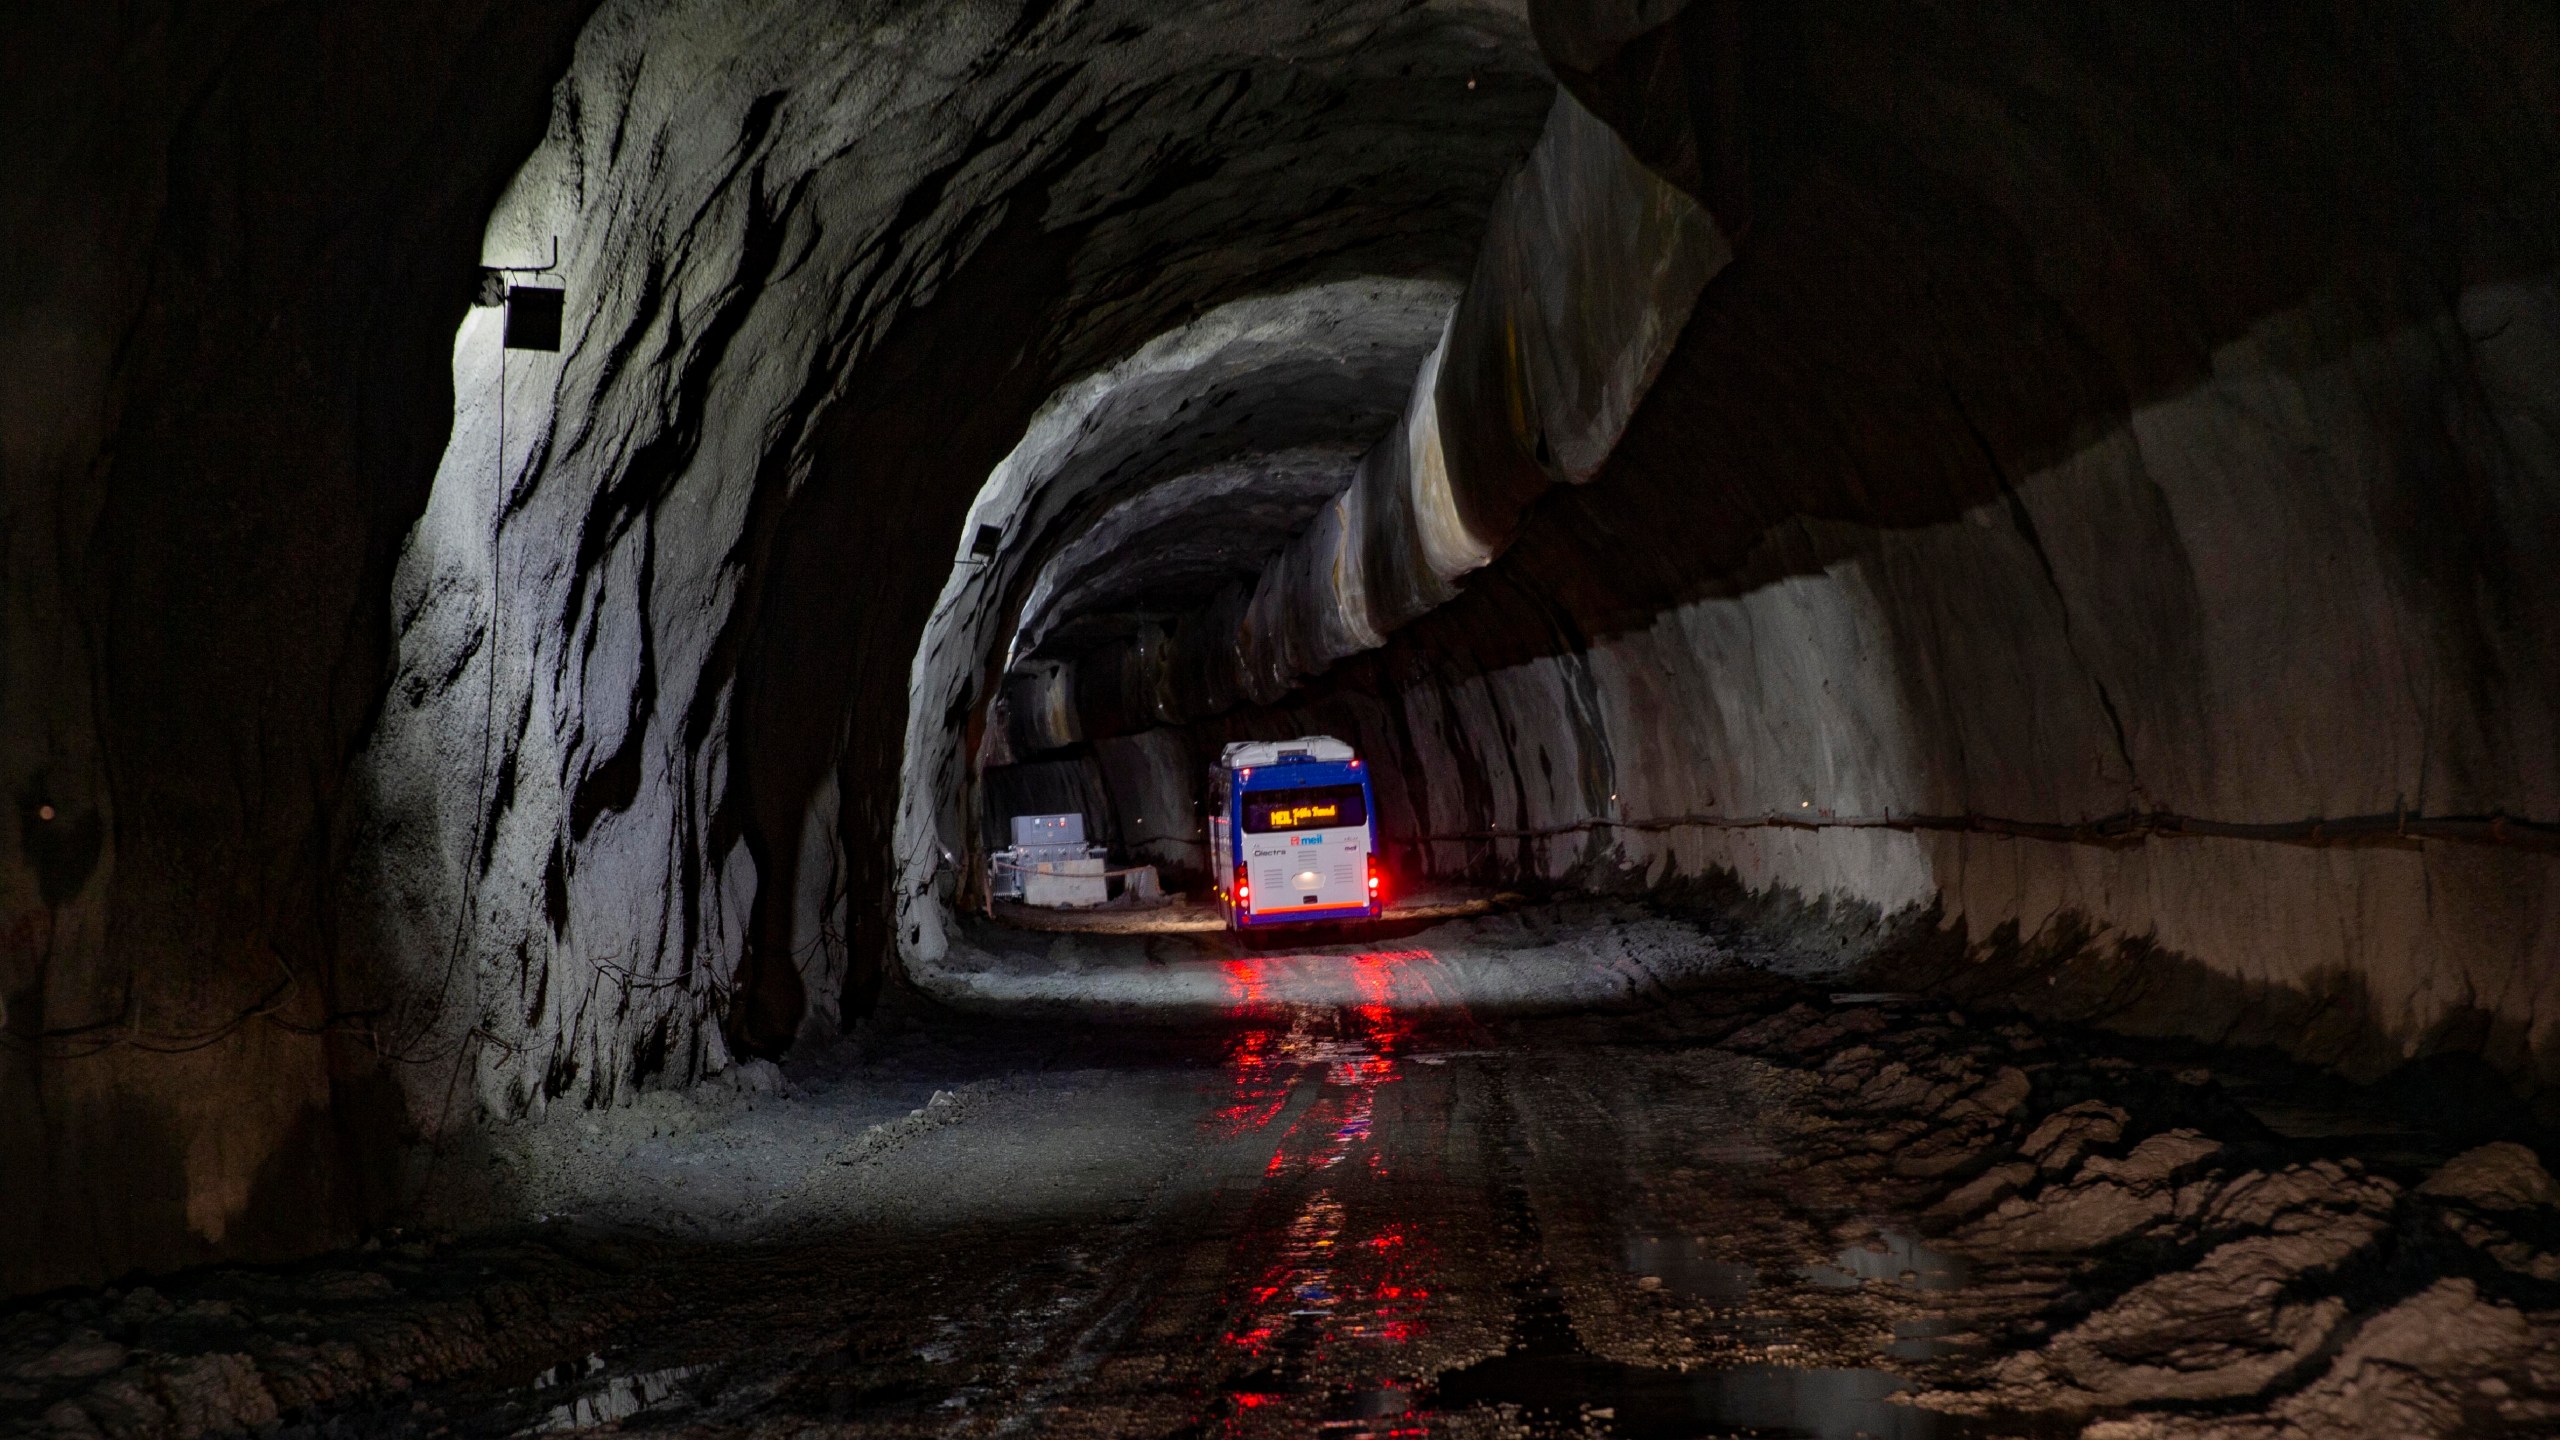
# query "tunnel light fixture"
(533, 311)
(533, 317)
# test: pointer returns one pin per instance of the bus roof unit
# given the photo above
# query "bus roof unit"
(1246, 754)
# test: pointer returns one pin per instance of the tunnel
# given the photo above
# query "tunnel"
(1949, 618)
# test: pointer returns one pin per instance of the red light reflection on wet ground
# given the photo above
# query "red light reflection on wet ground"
(1324, 1276)
(1258, 1089)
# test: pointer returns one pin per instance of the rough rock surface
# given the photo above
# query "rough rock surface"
(234, 241)
(1724, 1197)
(1993, 513)
(2083, 552)
(827, 265)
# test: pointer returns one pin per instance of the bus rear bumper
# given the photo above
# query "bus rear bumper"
(1331, 914)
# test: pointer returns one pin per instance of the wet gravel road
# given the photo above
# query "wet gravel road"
(1741, 1206)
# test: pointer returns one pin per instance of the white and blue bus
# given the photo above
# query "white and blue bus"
(1293, 822)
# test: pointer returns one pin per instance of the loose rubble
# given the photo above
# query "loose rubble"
(1728, 1199)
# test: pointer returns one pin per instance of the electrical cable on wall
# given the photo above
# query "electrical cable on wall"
(2133, 827)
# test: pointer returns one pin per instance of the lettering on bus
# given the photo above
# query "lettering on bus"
(1308, 807)
(1297, 815)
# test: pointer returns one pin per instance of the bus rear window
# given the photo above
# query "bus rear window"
(1318, 807)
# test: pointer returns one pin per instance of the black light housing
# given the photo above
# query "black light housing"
(533, 317)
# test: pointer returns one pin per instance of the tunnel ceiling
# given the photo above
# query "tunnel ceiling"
(1194, 487)
(1176, 546)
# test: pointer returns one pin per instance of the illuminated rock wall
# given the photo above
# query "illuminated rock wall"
(1995, 495)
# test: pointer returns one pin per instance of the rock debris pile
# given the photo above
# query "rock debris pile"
(1732, 1200)
(244, 1350)
(2147, 1255)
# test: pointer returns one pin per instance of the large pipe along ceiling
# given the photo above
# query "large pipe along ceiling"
(2046, 515)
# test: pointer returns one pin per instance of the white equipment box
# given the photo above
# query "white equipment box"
(1049, 863)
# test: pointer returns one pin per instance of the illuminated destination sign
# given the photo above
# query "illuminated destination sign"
(1300, 815)
(1311, 807)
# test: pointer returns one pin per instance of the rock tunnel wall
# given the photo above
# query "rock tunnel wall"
(1588, 271)
(1590, 266)
(1325, 366)
(388, 796)
(2134, 408)
(2065, 454)
(627, 817)
(234, 241)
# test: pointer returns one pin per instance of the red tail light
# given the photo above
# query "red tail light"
(1375, 894)
(1244, 891)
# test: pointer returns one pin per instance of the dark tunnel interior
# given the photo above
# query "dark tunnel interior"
(1948, 615)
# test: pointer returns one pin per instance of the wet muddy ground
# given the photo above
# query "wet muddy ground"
(1727, 1204)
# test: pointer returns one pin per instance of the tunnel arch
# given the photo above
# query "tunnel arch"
(763, 853)
(2110, 473)
(826, 270)
(1270, 399)
(2044, 591)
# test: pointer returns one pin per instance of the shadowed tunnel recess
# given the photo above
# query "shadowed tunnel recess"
(1975, 584)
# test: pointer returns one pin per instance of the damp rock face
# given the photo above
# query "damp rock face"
(2155, 1266)
(339, 768)
(656, 626)
(234, 243)
(2055, 589)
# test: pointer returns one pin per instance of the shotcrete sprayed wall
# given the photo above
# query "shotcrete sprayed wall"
(2007, 539)
(1587, 275)
(1589, 270)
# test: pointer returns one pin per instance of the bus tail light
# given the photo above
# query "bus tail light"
(1375, 895)
(1244, 892)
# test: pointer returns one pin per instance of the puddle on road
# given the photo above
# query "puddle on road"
(1550, 1377)
(1922, 1340)
(617, 1399)
(1892, 1258)
(1685, 1265)
(1643, 1404)
(1688, 1265)
(1321, 1276)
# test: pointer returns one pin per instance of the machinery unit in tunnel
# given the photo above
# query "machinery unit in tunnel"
(1047, 848)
